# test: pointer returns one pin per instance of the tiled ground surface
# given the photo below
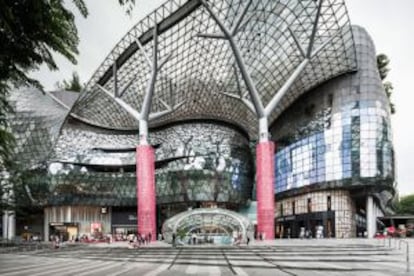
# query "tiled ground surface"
(287, 257)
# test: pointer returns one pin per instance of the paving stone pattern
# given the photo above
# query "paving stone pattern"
(294, 257)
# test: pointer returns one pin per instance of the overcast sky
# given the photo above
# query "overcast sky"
(390, 23)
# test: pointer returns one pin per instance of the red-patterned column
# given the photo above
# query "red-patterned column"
(146, 217)
(265, 192)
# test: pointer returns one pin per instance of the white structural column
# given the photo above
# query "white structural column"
(46, 221)
(9, 225)
(371, 218)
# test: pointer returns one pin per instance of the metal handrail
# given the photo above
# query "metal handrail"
(399, 247)
(407, 253)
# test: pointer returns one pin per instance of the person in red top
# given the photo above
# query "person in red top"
(391, 231)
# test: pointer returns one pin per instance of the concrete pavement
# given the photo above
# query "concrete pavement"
(278, 257)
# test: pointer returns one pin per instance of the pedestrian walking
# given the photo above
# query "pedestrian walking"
(173, 239)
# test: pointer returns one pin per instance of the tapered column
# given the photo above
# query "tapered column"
(265, 189)
(146, 218)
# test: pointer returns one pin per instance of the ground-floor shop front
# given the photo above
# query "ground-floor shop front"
(319, 214)
(316, 225)
(327, 214)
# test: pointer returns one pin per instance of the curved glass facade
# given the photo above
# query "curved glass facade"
(209, 162)
(201, 70)
(339, 131)
(196, 162)
(331, 126)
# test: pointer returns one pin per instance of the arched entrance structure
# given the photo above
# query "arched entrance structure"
(211, 225)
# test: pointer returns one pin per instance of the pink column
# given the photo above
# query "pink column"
(265, 192)
(146, 217)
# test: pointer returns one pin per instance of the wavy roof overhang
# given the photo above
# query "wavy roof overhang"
(201, 70)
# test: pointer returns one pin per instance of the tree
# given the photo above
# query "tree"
(383, 68)
(72, 84)
(382, 64)
(389, 88)
(129, 5)
(29, 32)
(406, 205)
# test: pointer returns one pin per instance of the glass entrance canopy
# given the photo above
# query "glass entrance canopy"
(209, 224)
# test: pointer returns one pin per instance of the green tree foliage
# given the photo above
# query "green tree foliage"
(383, 68)
(382, 64)
(389, 88)
(29, 32)
(406, 205)
(129, 4)
(72, 84)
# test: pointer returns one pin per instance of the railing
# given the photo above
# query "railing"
(407, 252)
(407, 257)
(17, 245)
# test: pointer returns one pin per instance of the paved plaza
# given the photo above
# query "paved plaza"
(280, 257)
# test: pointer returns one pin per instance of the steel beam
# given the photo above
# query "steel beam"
(254, 94)
(170, 21)
(146, 105)
(248, 104)
(57, 100)
(130, 82)
(239, 20)
(141, 48)
(323, 45)
(115, 75)
(128, 108)
(315, 27)
(213, 36)
(297, 42)
(282, 91)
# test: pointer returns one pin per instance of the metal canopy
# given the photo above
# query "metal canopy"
(202, 73)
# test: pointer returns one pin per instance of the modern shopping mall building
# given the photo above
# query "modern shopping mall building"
(207, 113)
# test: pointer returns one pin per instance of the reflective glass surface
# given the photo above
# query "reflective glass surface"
(200, 69)
(338, 131)
(208, 223)
(195, 162)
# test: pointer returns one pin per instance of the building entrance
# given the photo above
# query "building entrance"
(208, 225)
(65, 231)
(311, 225)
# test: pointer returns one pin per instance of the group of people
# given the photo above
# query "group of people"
(193, 239)
(139, 239)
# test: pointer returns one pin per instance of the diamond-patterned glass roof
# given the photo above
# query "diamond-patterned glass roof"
(201, 69)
